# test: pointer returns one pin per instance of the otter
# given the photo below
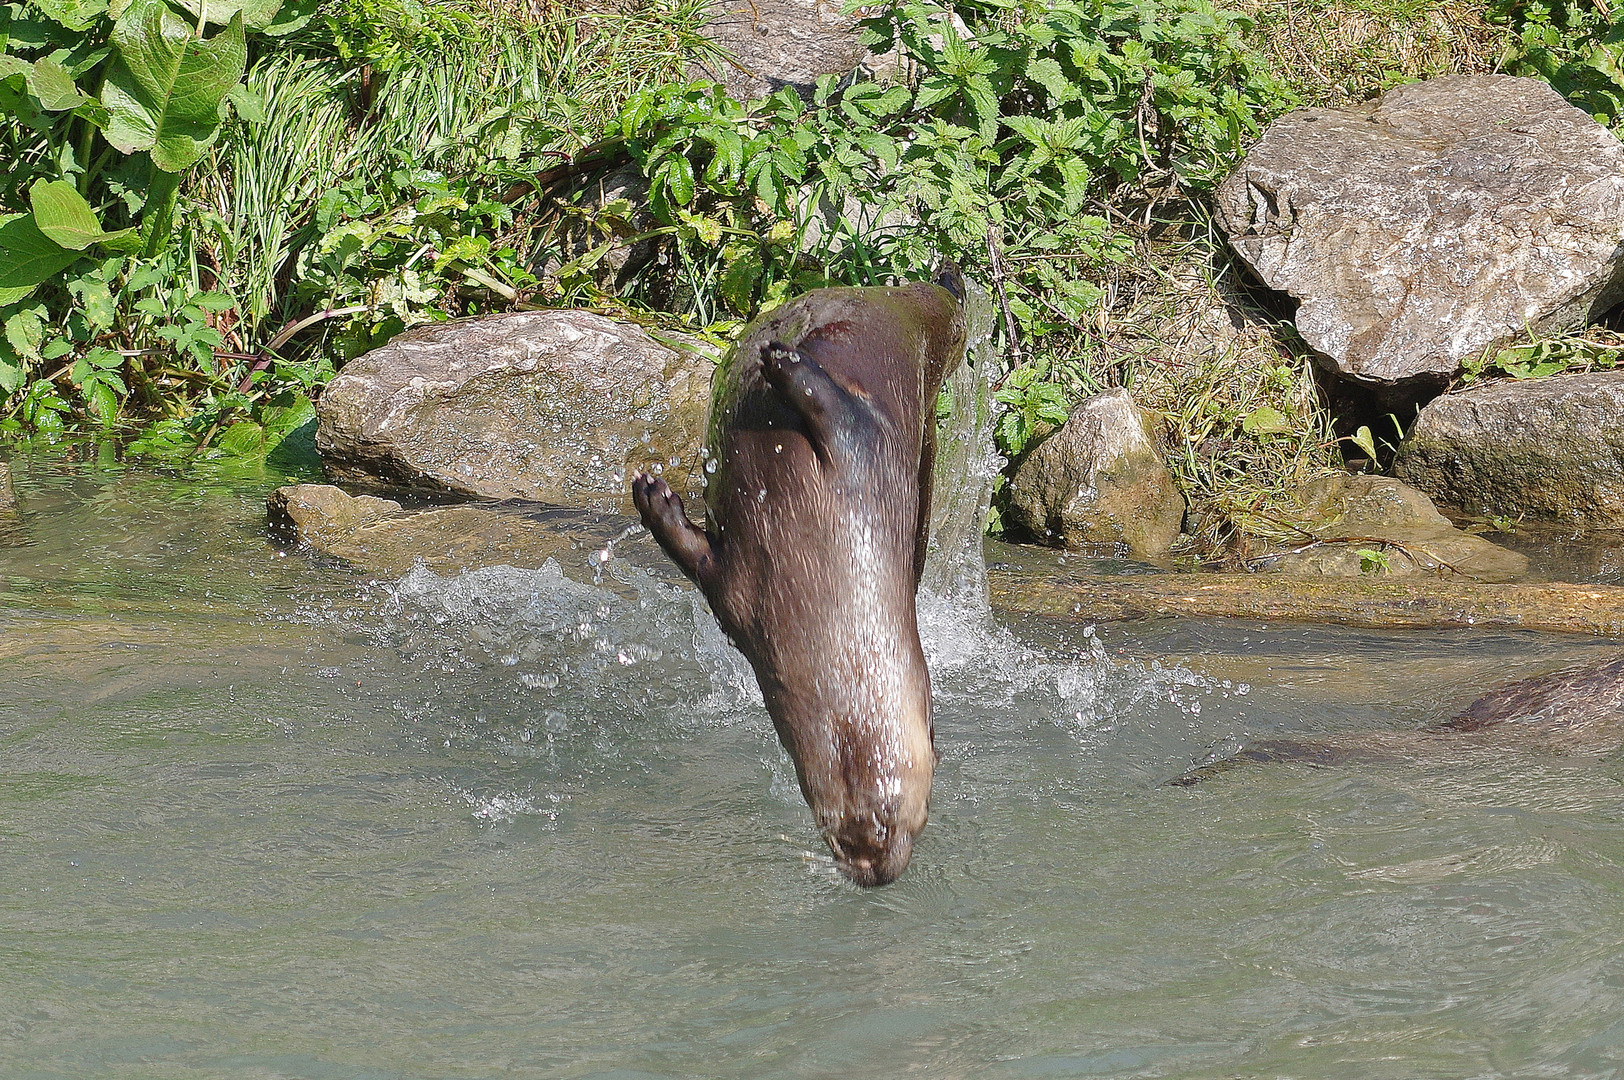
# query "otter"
(1576, 710)
(823, 425)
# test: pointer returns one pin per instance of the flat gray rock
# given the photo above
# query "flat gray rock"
(1450, 217)
(1548, 448)
(557, 407)
(777, 43)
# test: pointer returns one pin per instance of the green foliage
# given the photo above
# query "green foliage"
(1035, 407)
(177, 238)
(1596, 349)
(1030, 130)
(1575, 45)
(1374, 561)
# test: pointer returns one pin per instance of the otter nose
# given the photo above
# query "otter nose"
(868, 859)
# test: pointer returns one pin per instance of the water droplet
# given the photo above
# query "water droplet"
(710, 466)
(779, 449)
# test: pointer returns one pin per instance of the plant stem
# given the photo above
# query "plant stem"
(159, 211)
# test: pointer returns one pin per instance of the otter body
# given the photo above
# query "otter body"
(1576, 710)
(823, 424)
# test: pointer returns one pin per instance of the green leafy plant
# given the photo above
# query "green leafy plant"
(1374, 561)
(1575, 45)
(1035, 407)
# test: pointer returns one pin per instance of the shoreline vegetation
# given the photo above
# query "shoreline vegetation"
(215, 204)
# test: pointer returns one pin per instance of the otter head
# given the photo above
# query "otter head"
(868, 785)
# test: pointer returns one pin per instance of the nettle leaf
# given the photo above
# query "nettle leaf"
(76, 15)
(11, 376)
(1047, 73)
(249, 105)
(164, 87)
(25, 332)
(28, 256)
(62, 214)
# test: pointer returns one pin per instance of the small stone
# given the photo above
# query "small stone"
(319, 514)
(1549, 448)
(1100, 479)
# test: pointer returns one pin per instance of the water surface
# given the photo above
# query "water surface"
(261, 816)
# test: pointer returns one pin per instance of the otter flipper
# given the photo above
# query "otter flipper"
(689, 546)
(830, 410)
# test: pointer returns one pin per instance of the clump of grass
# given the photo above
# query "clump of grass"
(1336, 52)
(482, 100)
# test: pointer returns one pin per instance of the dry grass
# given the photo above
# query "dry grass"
(1336, 52)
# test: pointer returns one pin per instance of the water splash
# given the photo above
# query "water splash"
(967, 464)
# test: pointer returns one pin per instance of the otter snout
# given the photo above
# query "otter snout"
(869, 851)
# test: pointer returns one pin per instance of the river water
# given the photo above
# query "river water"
(262, 816)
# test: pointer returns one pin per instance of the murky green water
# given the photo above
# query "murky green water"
(260, 817)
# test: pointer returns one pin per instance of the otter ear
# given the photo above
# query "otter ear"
(951, 278)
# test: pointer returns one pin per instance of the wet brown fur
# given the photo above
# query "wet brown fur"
(823, 424)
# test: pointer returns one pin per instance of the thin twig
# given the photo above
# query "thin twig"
(996, 262)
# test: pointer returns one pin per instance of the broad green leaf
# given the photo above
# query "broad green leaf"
(292, 16)
(12, 65)
(11, 376)
(249, 105)
(77, 15)
(1265, 420)
(28, 256)
(54, 86)
(25, 333)
(242, 439)
(679, 178)
(62, 214)
(96, 301)
(164, 88)
(101, 400)
(256, 14)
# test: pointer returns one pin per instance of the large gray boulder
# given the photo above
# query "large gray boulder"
(1449, 217)
(552, 406)
(1355, 525)
(777, 43)
(1548, 448)
(1100, 479)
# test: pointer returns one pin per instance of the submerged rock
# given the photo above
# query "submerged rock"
(1449, 217)
(1369, 602)
(1579, 710)
(1398, 523)
(1100, 479)
(318, 513)
(376, 535)
(553, 406)
(1549, 448)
